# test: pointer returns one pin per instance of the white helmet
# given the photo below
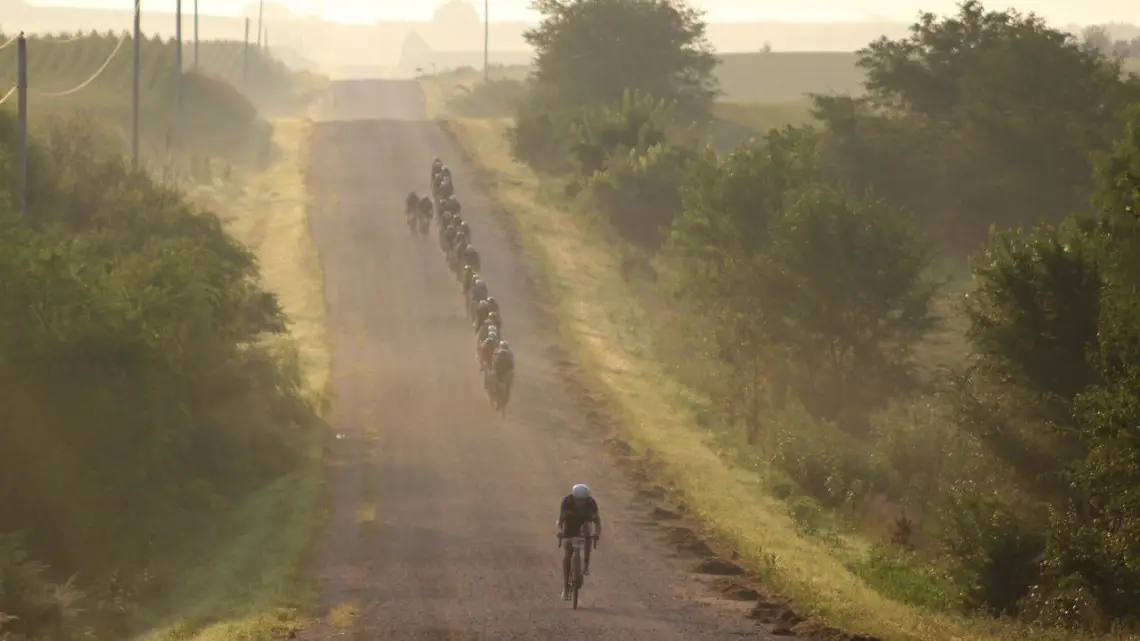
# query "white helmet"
(580, 491)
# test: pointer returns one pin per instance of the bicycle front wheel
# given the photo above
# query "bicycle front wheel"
(576, 571)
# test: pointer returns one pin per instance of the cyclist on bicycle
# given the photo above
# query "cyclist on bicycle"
(471, 256)
(488, 326)
(468, 278)
(411, 202)
(578, 509)
(426, 208)
(449, 231)
(475, 295)
(450, 205)
(487, 348)
(502, 372)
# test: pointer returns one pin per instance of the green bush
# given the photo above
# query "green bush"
(904, 578)
(638, 191)
(539, 135)
(490, 99)
(995, 549)
(142, 394)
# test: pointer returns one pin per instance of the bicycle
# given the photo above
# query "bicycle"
(500, 393)
(576, 577)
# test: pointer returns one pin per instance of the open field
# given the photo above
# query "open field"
(247, 582)
(611, 338)
(748, 77)
(777, 77)
(219, 114)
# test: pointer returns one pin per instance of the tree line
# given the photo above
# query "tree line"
(142, 395)
(984, 424)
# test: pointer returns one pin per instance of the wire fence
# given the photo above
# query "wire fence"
(21, 90)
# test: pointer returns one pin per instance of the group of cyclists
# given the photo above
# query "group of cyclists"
(492, 351)
(578, 510)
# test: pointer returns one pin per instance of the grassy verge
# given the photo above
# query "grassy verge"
(611, 339)
(248, 585)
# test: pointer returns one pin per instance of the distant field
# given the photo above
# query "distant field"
(765, 77)
(762, 91)
(92, 73)
(782, 77)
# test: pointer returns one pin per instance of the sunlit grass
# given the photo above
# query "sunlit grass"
(343, 615)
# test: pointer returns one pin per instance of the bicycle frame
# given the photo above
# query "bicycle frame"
(578, 543)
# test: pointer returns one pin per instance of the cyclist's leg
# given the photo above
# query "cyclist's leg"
(587, 530)
(567, 552)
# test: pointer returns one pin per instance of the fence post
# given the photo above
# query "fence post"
(22, 116)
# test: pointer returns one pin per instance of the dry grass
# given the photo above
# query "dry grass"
(610, 337)
(250, 588)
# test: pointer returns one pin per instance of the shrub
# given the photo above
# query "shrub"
(142, 394)
(494, 98)
(639, 191)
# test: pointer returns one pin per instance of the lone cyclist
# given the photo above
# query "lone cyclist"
(578, 508)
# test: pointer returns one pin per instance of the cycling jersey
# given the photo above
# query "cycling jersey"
(574, 516)
(479, 292)
(485, 330)
(487, 349)
(503, 363)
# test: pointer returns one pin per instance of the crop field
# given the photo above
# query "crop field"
(776, 77)
(92, 73)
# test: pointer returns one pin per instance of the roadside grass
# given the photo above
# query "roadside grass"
(246, 581)
(843, 579)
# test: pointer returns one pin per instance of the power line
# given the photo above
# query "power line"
(98, 72)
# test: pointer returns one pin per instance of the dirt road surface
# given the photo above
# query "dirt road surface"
(442, 513)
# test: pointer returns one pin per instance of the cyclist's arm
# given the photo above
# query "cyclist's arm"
(596, 517)
(562, 516)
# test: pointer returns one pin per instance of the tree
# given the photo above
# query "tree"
(592, 51)
(979, 118)
(1097, 38)
(781, 261)
(457, 13)
(135, 357)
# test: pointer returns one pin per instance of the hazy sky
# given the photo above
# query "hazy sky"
(1055, 11)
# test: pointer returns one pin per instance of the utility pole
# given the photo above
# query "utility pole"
(178, 72)
(22, 116)
(195, 34)
(486, 40)
(245, 58)
(135, 88)
(260, 21)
